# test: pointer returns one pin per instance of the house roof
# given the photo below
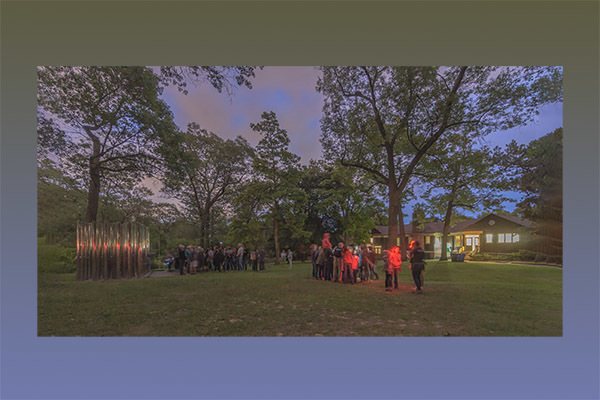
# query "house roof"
(438, 227)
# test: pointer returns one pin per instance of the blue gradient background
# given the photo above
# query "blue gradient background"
(269, 33)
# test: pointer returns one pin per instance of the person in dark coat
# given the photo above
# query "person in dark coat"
(262, 256)
(417, 265)
(328, 262)
(181, 258)
(337, 262)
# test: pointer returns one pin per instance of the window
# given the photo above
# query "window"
(427, 239)
(508, 238)
(489, 238)
(468, 241)
(515, 237)
(457, 239)
(501, 238)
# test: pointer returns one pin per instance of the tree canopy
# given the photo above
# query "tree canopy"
(384, 120)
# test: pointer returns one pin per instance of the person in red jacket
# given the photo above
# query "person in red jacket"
(347, 260)
(395, 263)
(355, 259)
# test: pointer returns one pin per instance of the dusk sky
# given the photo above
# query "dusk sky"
(290, 92)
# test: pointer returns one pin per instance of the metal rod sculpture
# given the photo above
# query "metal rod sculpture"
(112, 251)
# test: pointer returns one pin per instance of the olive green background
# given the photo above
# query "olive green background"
(299, 33)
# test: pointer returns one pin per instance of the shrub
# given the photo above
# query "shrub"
(56, 259)
(521, 255)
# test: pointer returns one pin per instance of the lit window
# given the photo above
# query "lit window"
(457, 241)
(515, 237)
(427, 239)
(489, 238)
(468, 241)
(508, 237)
(501, 238)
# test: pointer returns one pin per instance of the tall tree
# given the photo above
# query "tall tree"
(204, 170)
(276, 178)
(313, 182)
(113, 119)
(349, 198)
(536, 170)
(459, 177)
(384, 120)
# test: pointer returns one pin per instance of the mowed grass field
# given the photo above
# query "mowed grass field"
(460, 299)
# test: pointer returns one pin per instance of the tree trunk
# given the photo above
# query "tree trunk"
(94, 188)
(447, 218)
(394, 202)
(401, 232)
(207, 228)
(204, 229)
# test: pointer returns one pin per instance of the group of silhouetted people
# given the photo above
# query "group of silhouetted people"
(194, 259)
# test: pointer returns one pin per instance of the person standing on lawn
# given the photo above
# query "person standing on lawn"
(396, 263)
(417, 263)
(290, 257)
(371, 259)
(347, 260)
(388, 269)
(363, 264)
(319, 263)
(181, 258)
(283, 256)
(337, 262)
(355, 261)
(253, 260)
(262, 256)
(313, 258)
(188, 258)
(194, 260)
(328, 262)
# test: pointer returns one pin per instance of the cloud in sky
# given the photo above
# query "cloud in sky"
(288, 91)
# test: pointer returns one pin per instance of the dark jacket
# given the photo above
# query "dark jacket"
(417, 256)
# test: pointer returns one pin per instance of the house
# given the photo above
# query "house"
(490, 234)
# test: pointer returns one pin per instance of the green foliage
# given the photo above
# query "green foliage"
(521, 255)
(103, 123)
(457, 176)
(385, 120)
(221, 78)
(276, 180)
(60, 203)
(536, 171)
(539, 174)
(205, 172)
(348, 198)
(56, 259)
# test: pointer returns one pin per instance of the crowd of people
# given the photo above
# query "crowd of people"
(342, 263)
(348, 264)
(193, 259)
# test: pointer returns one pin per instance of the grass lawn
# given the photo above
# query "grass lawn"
(460, 299)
